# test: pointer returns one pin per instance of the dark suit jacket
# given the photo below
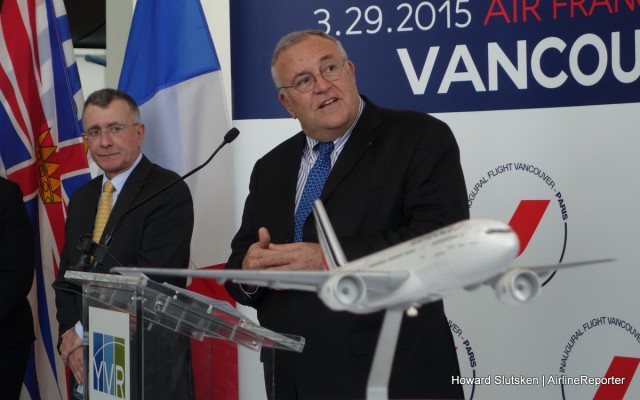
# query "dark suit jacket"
(398, 176)
(17, 263)
(156, 234)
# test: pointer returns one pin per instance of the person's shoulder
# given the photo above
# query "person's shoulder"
(88, 186)
(408, 116)
(402, 124)
(412, 127)
(293, 144)
(389, 116)
(148, 171)
(10, 191)
(159, 171)
(85, 192)
(160, 177)
(7, 185)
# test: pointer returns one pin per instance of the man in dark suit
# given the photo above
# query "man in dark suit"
(394, 175)
(17, 262)
(154, 234)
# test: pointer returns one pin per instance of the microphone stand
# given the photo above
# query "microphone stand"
(100, 250)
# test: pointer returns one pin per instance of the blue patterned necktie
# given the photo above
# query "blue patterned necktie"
(313, 187)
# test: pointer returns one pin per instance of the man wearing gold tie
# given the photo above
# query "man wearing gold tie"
(155, 234)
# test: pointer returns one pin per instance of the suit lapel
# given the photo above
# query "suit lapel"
(130, 191)
(362, 138)
(90, 208)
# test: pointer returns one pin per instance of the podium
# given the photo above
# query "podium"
(138, 332)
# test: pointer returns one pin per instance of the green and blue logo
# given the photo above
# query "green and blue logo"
(108, 367)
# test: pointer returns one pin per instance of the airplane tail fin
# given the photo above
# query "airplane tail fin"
(332, 250)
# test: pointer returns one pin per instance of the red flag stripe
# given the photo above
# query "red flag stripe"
(10, 95)
(73, 158)
(20, 51)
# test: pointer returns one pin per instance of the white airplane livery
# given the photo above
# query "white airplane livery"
(400, 278)
(423, 269)
(466, 255)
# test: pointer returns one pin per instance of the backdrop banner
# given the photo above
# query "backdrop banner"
(543, 98)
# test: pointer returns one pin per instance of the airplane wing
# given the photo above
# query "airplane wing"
(521, 284)
(299, 280)
(540, 269)
(376, 282)
(308, 281)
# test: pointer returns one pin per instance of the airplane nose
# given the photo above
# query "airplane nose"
(506, 236)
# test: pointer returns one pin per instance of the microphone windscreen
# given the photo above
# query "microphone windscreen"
(231, 135)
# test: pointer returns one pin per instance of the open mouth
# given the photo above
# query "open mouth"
(328, 102)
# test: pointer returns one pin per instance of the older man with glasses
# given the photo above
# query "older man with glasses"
(384, 176)
(157, 233)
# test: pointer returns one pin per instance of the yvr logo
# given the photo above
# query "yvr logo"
(108, 369)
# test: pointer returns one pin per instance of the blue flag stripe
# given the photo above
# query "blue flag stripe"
(66, 80)
(179, 31)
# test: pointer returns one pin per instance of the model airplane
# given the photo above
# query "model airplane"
(400, 278)
(466, 254)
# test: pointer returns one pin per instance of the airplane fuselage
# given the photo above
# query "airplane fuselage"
(464, 254)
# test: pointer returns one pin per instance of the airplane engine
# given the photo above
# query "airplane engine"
(342, 292)
(517, 287)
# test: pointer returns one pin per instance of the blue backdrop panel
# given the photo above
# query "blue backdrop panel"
(451, 55)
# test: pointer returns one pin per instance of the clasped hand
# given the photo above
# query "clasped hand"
(71, 353)
(291, 256)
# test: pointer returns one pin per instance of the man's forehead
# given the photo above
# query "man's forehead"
(116, 107)
(113, 104)
(314, 48)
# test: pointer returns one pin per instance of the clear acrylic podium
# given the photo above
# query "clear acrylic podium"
(138, 335)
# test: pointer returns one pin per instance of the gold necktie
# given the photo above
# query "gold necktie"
(104, 209)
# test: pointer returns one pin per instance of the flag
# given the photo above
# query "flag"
(172, 70)
(41, 149)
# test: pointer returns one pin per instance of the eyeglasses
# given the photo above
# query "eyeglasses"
(113, 130)
(305, 83)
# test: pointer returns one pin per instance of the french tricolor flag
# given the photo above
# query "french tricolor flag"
(172, 70)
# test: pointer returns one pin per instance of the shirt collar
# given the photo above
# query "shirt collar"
(339, 142)
(119, 180)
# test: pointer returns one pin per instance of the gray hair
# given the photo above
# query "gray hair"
(103, 97)
(294, 38)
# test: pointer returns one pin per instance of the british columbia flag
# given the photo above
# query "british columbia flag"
(41, 149)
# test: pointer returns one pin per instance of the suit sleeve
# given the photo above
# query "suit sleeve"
(68, 299)
(245, 237)
(17, 252)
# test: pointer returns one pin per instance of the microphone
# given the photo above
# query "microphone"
(228, 138)
(99, 251)
(87, 246)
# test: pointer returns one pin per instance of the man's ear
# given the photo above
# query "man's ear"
(284, 100)
(140, 131)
